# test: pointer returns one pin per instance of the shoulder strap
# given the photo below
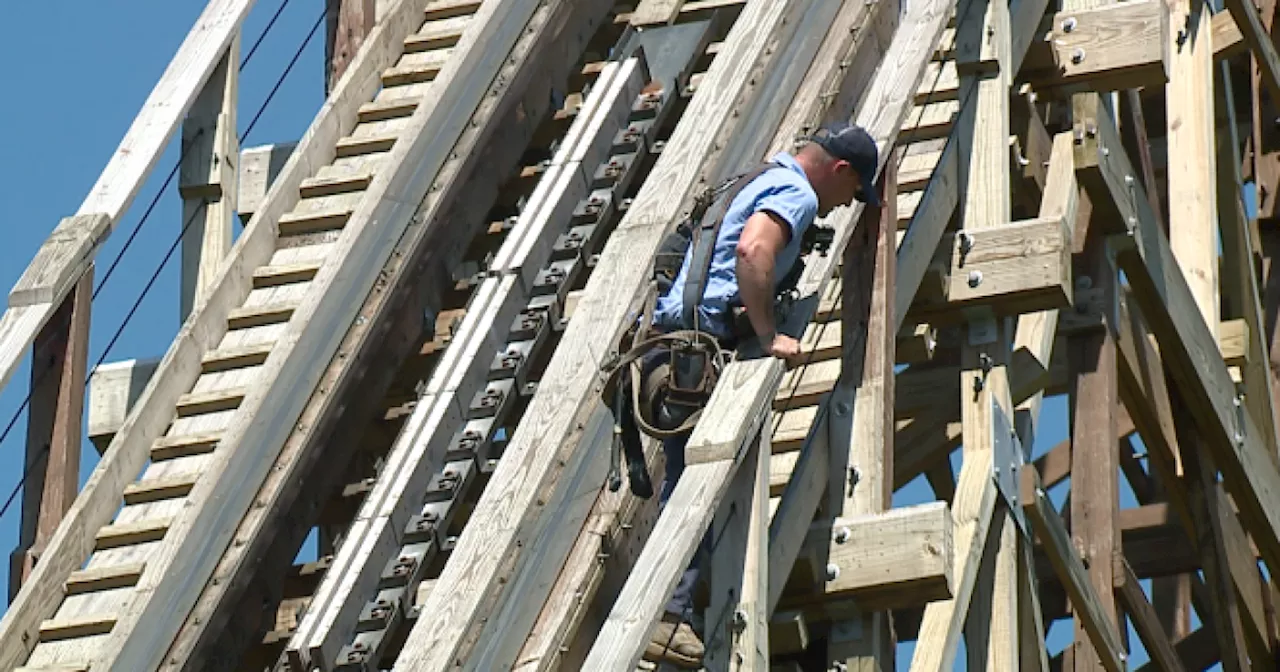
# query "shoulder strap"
(700, 263)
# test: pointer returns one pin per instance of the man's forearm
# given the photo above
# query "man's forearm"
(755, 286)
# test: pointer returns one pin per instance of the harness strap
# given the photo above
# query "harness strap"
(707, 233)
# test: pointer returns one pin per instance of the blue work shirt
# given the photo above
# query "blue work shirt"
(783, 191)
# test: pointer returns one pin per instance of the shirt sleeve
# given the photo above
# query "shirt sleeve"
(791, 204)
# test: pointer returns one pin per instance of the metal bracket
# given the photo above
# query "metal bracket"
(1007, 461)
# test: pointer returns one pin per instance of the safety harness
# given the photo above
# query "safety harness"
(668, 401)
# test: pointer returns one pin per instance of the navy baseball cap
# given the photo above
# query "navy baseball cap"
(853, 144)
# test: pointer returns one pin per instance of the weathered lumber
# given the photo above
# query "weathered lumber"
(207, 180)
(851, 43)
(882, 113)
(862, 426)
(1145, 620)
(1062, 553)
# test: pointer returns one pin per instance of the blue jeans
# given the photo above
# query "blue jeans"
(681, 602)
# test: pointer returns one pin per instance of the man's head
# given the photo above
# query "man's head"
(840, 161)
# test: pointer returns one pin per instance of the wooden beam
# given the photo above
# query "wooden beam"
(1227, 39)
(1203, 495)
(347, 23)
(120, 180)
(1098, 623)
(739, 569)
(113, 390)
(1015, 268)
(51, 466)
(259, 167)
(1193, 211)
(1095, 497)
(655, 12)
(895, 559)
(1260, 42)
(1115, 46)
(1241, 286)
(1186, 343)
(882, 112)
(1144, 390)
(940, 197)
(207, 180)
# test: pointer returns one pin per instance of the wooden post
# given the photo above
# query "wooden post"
(348, 23)
(982, 132)
(1095, 463)
(207, 182)
(52, 462)
(860, 478)
(991, 631)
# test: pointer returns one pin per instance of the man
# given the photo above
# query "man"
(758, 242)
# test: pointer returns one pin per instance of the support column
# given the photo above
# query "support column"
(1095, 465)
(207, 182)
(52, 461)
(861, 473)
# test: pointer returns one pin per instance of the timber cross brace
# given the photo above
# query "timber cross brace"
(1068, 282)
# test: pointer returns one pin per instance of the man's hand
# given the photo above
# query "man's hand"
(785, 348)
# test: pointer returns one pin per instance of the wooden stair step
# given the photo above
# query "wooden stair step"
(174, 447)
(105, 578)
(60, 667)
(129, 534)
(940, 82)
(156, 489)
(352, 146)
(298, 223)
(285, 274)
(448, 9)
(235, 358)
(314, 187)
(257, 316)
(200, 403)
(437, 34)
(394, 108)
(54, 629)
(398, 75)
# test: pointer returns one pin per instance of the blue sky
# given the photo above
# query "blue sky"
(70, 105)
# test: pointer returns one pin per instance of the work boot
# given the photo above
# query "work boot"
(675, 642)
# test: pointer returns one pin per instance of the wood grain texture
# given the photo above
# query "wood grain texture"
(1062, 553)
(127, 169)
(1112, 46)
